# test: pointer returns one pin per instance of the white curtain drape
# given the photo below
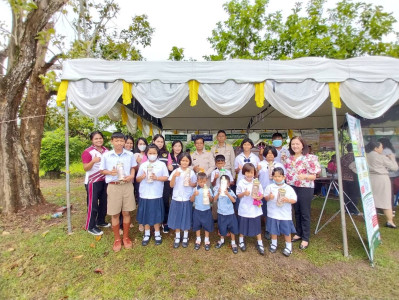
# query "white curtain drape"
(94, 99)
(226, 98)
(296, 100)
(369, 99)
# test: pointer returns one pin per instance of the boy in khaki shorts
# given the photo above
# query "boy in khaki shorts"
(118, 167)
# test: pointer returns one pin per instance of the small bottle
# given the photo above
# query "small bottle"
(205, 196)
(255, 188)
(323, 172)
(150, 169)
(186, 181)
(281, 194)
(223, 186)
(56, 215)
(222, 172)
(120, 170)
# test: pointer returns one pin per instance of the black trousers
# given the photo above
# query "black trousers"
(96, 203)
(167, 190)
(351, 188)
(302, 211)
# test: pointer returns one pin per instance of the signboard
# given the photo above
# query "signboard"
(176, 137)
(206, 137)
(326, 139)
(236, 136)
(268, 135)
(370, 213)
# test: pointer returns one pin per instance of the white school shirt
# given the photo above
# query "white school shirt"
(217, 171)
(264, 172)
(246, 208)
(274, 211)
(152, 190)
(282, 153)
(181, 192)
(253, 159)
(110, 159)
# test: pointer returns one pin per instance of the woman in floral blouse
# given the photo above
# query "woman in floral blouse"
(302, 168)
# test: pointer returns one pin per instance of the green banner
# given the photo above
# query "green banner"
(235, 136)
(176, 137)
(268, 135)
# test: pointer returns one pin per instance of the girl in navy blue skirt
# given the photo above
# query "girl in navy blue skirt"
(182, 180)
(151, 176)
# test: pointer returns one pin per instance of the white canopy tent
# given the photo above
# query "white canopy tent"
(231, 94)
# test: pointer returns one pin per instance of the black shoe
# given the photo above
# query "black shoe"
(207, 247)
(185, 243)
(302, 247)
(145, 242)
(104, 225)
(158, 240)
(260, 249)
(176, 244)
(234, 248)
(267, 235)
(389, 225)
(272, 248)
(197, 246)
(95, 231)
(219, 245)
(165, 228)
(293, 240)
(242, 246)
(287, 252)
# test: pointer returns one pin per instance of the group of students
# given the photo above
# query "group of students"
(259, 190)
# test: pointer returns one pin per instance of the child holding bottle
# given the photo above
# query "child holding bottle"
(279, 197)
(182, 180)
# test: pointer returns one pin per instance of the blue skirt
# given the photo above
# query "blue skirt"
(227, 223)
(180, 215)
(279, 227)
(203, 220)
(150, 212)
(249, 226)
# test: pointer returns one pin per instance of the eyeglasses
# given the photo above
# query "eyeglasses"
(247, 160)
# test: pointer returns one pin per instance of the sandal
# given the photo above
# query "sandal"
(260, 249)
(207, 247)
(176, 244)
(197, 246)
(127, 243)
(272, 248)
(219, 245)
(158, 240)
(185, 243)
(146, 240)
(234, 248)
(287, 252)
(242, 246)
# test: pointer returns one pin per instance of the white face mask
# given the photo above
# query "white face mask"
(142, 147)
(152, 157)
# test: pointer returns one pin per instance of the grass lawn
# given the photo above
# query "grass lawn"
(39, 260)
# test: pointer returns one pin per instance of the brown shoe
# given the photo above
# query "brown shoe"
(127, 243)
(117, 245)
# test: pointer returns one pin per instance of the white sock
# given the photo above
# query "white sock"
(260, 242)
(288, 246)
(222, 240)
(146, 235)
(233, 242)
(274, 243)
(147, 232)
(157, 233)
(178, 235)
(206, 240)
(185, 235)
(198, 241)
(241, 238)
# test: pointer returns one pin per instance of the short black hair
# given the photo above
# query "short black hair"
(136, 148)
(372, 145)
(248, 167)
(277, 135)
(201, 175)
(151, 146)
(220, 157)
(247, 140)
(270, 148)
(305, 149)
(278, 170)
(129, 137)
(117, 135)
(185, 154)
(225, 177)
(221, 131)
(199, 138)
(349, 147)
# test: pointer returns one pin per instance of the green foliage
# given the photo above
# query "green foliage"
(176, 54)
(348, 30)
(52, 154)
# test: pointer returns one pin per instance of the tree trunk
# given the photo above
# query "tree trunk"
(17, 185)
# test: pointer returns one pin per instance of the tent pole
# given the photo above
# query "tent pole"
(340, 190)
(68, 202)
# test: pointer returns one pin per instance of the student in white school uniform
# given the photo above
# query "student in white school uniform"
(282, 153)
(246, 156)
(182, 180)
(265, 169)
(151, 175)
(219, 171)
(279, 211)
(249, 212)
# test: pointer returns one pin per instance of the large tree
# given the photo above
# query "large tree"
(349, 29)
(18, 186)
